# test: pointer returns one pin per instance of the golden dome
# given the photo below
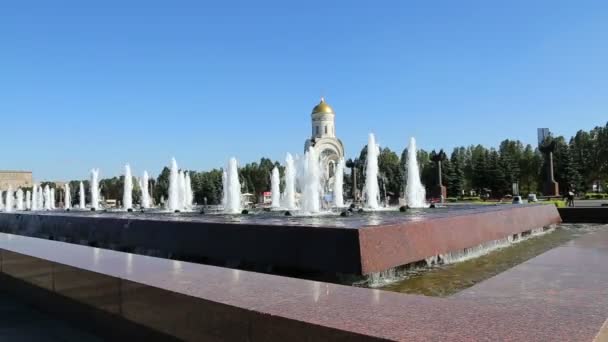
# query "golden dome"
(322, 107)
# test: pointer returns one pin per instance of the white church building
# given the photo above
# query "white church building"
(323, 139)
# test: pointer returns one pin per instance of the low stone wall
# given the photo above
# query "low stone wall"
(385, 247)
(325, 252)
(557, 296)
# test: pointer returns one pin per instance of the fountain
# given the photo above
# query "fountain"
(174, 177)
(289, 196)
(40, 198)
(181, 190)
(35, 197)
(232, 188)
(8, 204)
(311, 184)
(145, 193)
(1, 200)
(81, 195)
(94, 189)
(47, 198)
(372, 192)
(275, 187)
(415, 193)
(19, 203)
(52, 198)
(67, 202)
(28, 200)
(127, 194)
(339, 185)
(189, 194)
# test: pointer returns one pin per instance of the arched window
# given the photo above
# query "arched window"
(317, 130)
(325, 129)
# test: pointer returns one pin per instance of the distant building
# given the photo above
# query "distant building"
(542, 133)
(15, 179)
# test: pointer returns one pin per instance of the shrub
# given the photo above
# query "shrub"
(557, 203)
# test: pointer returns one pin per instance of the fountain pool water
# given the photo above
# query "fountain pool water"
(127, 194)
(415, 193)
(275, 188)
(372, 193)
(94, 189)
(232, 188)
(289, 195)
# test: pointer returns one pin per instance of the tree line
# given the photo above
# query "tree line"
(579, 162)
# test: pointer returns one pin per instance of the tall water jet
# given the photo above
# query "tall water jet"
(1, 200)
(67, 202)
(173, 204)
(182, 190)
(94, 188)
(145, 193)
(28, 200)
(81, 195)
(289, 195)
(275, 188)
(224, 188)
(52, 198)
(19, 204)
(339, 185)
(40, 198)
(35, 197)
(47, 197)
(232, 189)
(371, 174)
(415, 193)
(8, 204)
(127, 193)
(189, 194)
(311, 192)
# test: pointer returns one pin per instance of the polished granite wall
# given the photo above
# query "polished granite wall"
(560, 295)
(326, 251)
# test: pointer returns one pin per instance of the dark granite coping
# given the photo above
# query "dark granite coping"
(549, 298)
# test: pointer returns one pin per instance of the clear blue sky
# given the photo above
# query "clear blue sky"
(100, 83)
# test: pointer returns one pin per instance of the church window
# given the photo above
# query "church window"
(317, 130)
(325, 129)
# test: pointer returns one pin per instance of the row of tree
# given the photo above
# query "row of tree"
(579, 163)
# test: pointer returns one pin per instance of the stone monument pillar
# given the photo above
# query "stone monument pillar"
(551, 187)
(439, 191)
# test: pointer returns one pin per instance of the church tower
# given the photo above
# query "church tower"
(323, 138)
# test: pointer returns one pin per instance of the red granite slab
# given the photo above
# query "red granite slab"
(387, 246)
(548, 298)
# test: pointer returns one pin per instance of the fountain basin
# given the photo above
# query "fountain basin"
(358, 245)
